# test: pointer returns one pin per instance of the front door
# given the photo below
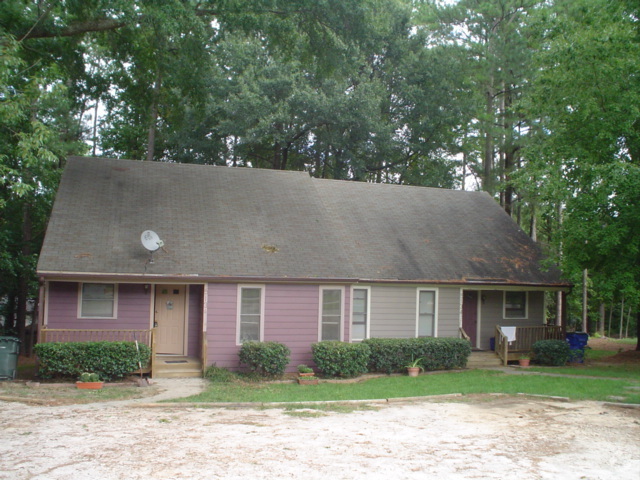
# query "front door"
(170, 319)
(470, 314)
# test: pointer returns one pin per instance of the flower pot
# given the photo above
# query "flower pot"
(89, 385)
(413, 371)
(307, 380)
(307, 375)
(524, 362)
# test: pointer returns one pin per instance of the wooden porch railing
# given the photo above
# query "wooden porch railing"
(525, 338)
(52, 335)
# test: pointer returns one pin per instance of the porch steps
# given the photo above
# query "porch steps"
(483, 359)
(174, 366)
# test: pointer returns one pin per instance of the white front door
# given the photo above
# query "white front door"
(170, 319)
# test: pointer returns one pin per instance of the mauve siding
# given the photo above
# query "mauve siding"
(291, 315)
(491, 312)
(133, 309)
(194, 341)
(448, 312)
(221, 325)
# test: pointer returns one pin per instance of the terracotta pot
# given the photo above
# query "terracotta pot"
(413, 371)
(524, 362)
(89, 385)
(307, 380)
(311, 374)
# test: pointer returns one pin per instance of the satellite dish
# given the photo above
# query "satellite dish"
(151, 241)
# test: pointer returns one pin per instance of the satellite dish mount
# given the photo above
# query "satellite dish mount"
(151, 241)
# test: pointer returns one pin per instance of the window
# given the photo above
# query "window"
(250, 313)
(515, 304)
(98, 300)
(360, 314)
(331, 314)
(426, 313)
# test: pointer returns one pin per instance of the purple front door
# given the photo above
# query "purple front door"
(470, 314)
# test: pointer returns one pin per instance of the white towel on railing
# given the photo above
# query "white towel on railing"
(510, 333)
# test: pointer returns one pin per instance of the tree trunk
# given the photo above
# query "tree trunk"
(487, 181)
(153, 121)
(23, 283)
(638, 330)
(601, 322)
(621, 316)
(585, 277)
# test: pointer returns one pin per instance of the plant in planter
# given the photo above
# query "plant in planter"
(524, 360)
(306, 375)
(414, 367)
(89, 381)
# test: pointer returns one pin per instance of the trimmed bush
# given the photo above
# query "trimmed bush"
(340, 359)
(110, 360)
(391, 355)
(267, 359)
(551, 352)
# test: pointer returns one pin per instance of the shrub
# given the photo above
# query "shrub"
(340, 359)
(393, 354)
(265, 358)
(110, 360)
(89, 377)
(218, 374)
(551, 352)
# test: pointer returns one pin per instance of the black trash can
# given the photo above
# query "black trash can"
(9, 350)
(577, 343)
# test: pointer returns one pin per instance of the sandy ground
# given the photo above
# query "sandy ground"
(484, 437)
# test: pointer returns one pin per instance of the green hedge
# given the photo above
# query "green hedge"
(265, 358)
(339, 359)
(551, 352)
(391, 355)
(110, 360)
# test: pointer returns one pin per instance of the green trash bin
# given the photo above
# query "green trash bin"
(9, 350)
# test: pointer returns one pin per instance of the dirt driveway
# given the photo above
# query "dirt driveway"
(469, 438)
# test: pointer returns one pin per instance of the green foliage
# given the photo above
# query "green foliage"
(219, 374)
(89, 377)
(391, 355)
(340, 359)
(551, 352)
(109, 360)
(302, 368)
(265, 358)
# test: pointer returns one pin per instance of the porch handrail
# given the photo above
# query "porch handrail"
(54, 335)
(502, 345)
(464, 335)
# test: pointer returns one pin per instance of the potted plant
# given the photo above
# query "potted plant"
(306, 375)
(89, 381)
(524, 360)
(414, 367)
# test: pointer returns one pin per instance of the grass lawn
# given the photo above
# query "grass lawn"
(612, 371)
(465, 382)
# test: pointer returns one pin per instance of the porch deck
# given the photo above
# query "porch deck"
(525, 337)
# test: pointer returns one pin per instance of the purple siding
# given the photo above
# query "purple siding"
(221, 325)
(194, 341)
(133, 309)
(291, 317)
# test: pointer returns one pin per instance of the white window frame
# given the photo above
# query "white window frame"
(97, 317)
(239, 310)
(435, 310)
(367, 326)
(323, 288)
(504, 305)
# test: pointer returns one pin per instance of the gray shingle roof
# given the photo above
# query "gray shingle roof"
(241, 222)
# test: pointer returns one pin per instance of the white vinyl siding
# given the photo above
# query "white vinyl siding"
(98, 300)
(331, 308)
(360, 314)
(250, 313)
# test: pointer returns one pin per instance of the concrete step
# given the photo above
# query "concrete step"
(173, 366)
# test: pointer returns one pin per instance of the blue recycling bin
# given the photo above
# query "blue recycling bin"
(577, 343)
(9, 350)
